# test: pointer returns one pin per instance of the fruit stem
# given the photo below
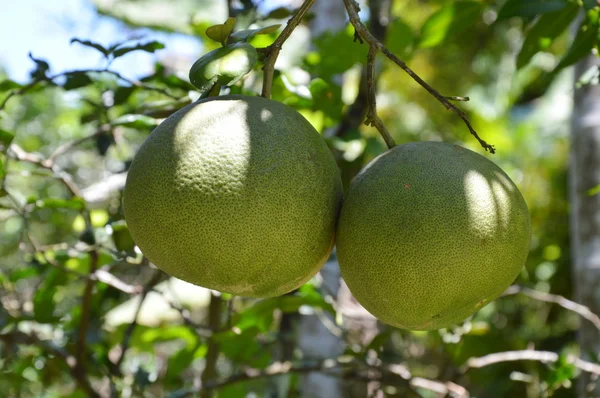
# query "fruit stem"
(272, 51)
(211, 92)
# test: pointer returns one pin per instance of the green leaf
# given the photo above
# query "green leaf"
(450, 20)
(589, 4)
(140, 122)
(247, 34)
(24, 273)
(243, 347)
(149, 47)
(122, 94)
(41, 68)
(400, 37)
(5, 140)
(121, 236)
(43, 299)
(530, 8)
(235, 391)
(593, 191)
(279, 13)
(220, 33)
(260, 315)
(77, 80)
(224, 66)
(173, 81)
(6, 85)
(91, 44)
(103, 142)
(183, 358)
(561, 372)
(168, 333)
(75, 203)
(336, 52)
(545, 31)
(142, 378)
(584, 42)
(378, 341)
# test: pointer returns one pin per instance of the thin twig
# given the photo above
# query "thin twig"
(579, 309)
(352, 9)
(272, 51)
(336, 369)
(530, 355)
(372, 119)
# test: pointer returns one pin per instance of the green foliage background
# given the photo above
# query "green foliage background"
(510, 58)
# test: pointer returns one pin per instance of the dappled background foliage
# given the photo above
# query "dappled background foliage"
(84, 313)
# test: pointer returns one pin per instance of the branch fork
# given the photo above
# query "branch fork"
(376, 46)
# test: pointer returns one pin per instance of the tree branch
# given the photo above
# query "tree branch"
(272, 51)
(567, 304)
(362, 32)
(530, 355)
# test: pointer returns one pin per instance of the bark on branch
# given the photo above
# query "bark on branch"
(362, 33)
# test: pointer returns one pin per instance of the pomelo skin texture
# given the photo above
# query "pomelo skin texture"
(237, 194)
(429, 233)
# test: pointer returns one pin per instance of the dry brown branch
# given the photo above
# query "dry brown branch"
(577, 308)
(362, 32)
(530, 355)
(372, 118)
(272, 51)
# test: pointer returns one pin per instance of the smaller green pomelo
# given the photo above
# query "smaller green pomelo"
(429, 233)
(234, 193)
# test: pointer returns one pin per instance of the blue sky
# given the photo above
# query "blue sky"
(45, 28)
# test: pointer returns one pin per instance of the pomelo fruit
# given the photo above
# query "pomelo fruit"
(234, 193)
(429, 233)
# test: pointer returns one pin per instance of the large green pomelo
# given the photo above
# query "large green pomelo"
(237, 194)
(429, 233)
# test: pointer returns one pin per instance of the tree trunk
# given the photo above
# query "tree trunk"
(585, 212)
